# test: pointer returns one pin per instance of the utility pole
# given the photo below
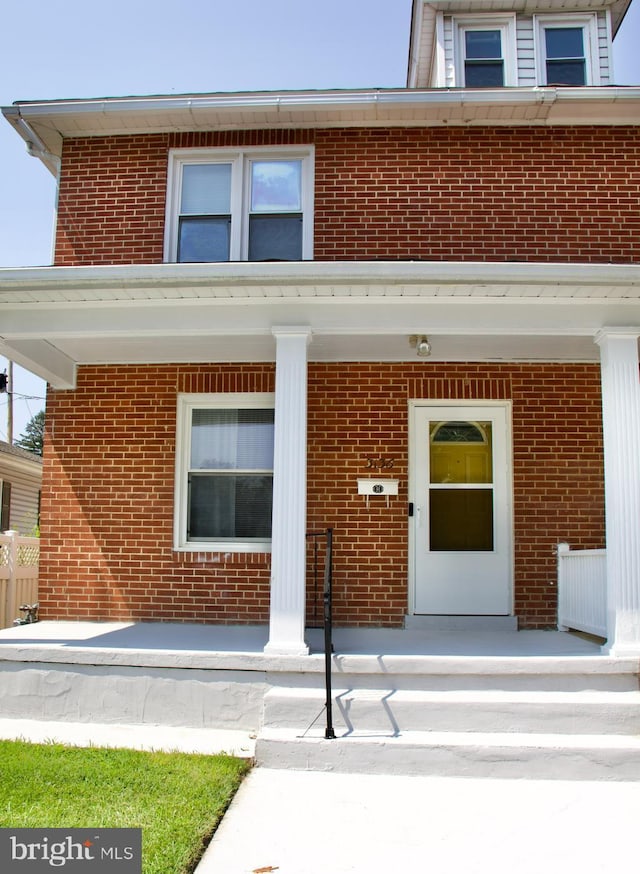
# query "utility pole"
(6, 387)
(10, 403)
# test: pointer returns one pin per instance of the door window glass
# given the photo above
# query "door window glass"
(460, 492)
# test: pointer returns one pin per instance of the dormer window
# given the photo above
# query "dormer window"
(485, 51)
(564, 51)
(483, 63)
(567, 50)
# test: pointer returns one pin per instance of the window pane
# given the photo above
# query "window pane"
(204, 239)
(460, 457)
(482, 44)
(483, 75)
(206, 189)
(566, 73)
(275, 238)
(276, 186)
(461, 520)
(564, 42)
(229, 506)
(232, 440)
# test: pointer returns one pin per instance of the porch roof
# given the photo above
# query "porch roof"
(54, 318)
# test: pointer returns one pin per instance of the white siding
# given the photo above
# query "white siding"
(604, 50)
(525, 51)
(24, 503)
(449, 61)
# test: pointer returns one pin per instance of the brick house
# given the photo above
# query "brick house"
(410, 315)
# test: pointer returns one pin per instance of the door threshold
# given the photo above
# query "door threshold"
(461, 623)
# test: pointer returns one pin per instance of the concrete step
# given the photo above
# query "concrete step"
(395, 710)
(451, 754)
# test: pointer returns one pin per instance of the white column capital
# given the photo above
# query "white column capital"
(292, 331)
(614, 333)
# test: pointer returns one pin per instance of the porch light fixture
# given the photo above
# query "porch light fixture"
(420, 342)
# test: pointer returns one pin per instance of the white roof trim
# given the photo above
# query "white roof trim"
(44, 125)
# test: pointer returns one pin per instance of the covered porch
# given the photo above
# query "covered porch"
(300, 316)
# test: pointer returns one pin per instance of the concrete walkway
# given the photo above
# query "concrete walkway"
(322, 822)
(303, 822)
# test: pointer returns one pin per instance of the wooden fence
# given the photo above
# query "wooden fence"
(19, 557)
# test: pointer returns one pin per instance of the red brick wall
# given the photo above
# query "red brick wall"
(471, 194)
(107, 503)
(108, 492)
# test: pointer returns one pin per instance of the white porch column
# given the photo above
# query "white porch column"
(288, 530)
(621, 427)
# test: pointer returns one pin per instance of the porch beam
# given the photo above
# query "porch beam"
(287, 613)
(620, 376)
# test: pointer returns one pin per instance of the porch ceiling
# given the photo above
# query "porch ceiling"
(52, 319)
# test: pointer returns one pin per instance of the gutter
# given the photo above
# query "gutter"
(291, 100)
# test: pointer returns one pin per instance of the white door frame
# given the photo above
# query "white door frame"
(458, 404)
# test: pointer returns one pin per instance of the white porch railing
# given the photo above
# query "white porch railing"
(582, 589)
(19, 558)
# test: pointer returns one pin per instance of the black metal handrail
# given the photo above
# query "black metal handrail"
(327, 601)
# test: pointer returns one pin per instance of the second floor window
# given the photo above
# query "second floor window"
(240, 206)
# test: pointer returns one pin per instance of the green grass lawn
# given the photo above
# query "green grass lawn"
(176, 798)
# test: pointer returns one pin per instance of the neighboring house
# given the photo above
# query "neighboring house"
(20, 485)
(261, 300)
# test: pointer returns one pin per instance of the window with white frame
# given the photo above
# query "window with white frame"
(242, 205)
(485, 52)
(224, 472)
(567, 50)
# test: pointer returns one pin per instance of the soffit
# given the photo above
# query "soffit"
(618, 8)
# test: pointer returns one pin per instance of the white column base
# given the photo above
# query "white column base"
(280, 648)
(621, 651)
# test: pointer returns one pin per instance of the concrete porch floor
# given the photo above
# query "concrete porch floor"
(249, 641)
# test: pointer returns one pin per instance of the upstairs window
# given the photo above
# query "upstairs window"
(485, 52)
(240, 206)
(566, 54)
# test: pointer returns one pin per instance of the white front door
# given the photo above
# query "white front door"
(461, 499)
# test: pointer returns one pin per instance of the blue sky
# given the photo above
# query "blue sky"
(78, 49)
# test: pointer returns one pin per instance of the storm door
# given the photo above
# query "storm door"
(461, 507)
